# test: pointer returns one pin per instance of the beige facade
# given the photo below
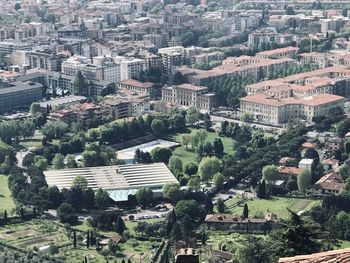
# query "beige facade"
(276, 111)
(188, 95)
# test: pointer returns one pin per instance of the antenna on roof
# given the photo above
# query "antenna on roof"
(311, 45)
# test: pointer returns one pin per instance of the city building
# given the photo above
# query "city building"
(46, 59)
(277, 111)
(19, 95)
(172, 57)
(189, 95)
(241, 224)
(331, 183)
(134, 85)
(287, 52)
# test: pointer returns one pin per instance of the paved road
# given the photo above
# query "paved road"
(260, 126)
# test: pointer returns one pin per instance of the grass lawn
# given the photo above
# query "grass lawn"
(277, 205)
(6, 201)
(190, 155)
(30, 143)
(38, 232)
(344, 244)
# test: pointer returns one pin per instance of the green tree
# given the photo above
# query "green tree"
(80, 182)
(101, 198)
(301, 236)
(252, 249)
(35, 109)
(17, 6)
(191, 168)
(207, 121)
(58, 161)
(70, 161)
(172, 191)
(304, 180)
(175, 165)
(192, 115)
(290, 11)
(208, 167)
(261, 190)
(41, 163)
(160, 154)
(185, 139)
(270, 173)
(157, 127)
(66, 214)
(79, 84)
(194, 183)
(220, 205)
(218, 180)
(245, 211)
(187, 208)
(144, 196)
(53, 249)
(120, 225)
(343, 127)
(247, 117)
(218, 147)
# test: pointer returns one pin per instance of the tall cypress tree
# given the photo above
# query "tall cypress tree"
(88, 239)
(120, 225)
(5, 215)
(79, 84)
(245, 211)
(74, 239)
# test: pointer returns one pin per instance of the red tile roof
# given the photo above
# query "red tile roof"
(333, 256)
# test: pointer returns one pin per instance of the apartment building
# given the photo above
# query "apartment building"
(189, 95)
(134, 85)
(276, 111)
(269, 35)
(46, 59)
(333, 24)
(287, 52)
(130, 68)
(118, 108)
(19, 95)
(171, 57)
(74, 64)
(102, 68)
(7, 47)
(65, 115)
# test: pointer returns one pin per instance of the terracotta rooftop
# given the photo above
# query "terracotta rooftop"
(333, 256)
(285, 159)
(132, 82)
(330, 161)
(332, 181)
(277, 51)
(309, 145)
(191, 87)
(315, 100)
(289, 170)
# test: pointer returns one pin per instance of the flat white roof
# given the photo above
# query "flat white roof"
(118, 177)
(306, 161)
(129, 153)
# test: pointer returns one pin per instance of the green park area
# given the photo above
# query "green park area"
(36, 233)
(6, 201)
(41, 233)
(189, 155)
(276, 205)
(131, 248)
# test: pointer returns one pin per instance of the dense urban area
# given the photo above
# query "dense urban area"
(175, 131)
